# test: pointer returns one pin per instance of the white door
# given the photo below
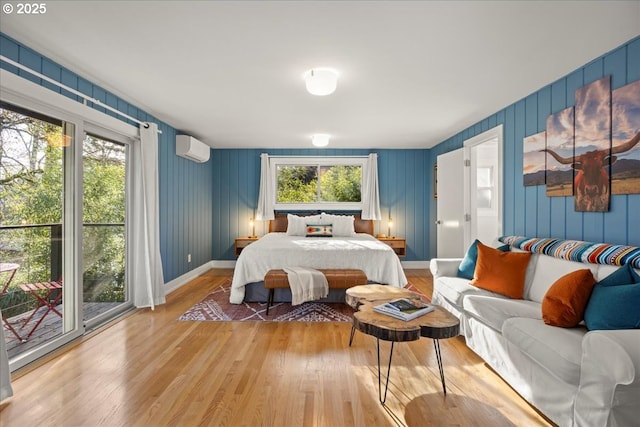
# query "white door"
(450, 206)
(483, 192)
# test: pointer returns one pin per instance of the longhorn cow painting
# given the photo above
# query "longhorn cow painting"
(533, 159)
(593, 149)
(592, 145)
(559, 175)
(625, 156)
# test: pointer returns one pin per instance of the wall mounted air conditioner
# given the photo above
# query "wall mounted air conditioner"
(192, 149)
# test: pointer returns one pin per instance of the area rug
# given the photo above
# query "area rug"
(216, 307)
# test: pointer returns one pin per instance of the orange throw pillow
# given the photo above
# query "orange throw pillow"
(565, 301)
(501, 272)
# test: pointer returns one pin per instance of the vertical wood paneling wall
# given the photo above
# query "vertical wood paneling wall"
(527, 210)
(403, 184)
(185, 187)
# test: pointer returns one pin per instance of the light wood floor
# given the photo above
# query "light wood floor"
(148, 369)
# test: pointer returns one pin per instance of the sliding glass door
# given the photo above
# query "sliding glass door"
(104, 277)
(38, 236)
(63, 229)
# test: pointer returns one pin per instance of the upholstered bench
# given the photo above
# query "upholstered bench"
(337, 279)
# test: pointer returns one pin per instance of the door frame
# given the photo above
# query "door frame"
(23, 93)
(495, 133)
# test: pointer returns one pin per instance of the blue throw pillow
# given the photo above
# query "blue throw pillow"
(613, 307)
(467, 267)
(623, 275)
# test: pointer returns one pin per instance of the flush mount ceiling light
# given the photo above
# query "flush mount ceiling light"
(321, 81)
(320, 140)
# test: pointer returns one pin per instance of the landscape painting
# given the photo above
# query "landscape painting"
(533, 159)
(592, 147)
(559, 175)
(625, 137)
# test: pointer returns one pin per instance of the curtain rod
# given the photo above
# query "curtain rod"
(74, 91)
(280, 156)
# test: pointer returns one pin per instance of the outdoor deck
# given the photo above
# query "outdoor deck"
(50, 327)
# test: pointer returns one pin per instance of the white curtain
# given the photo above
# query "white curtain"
(5, 375)
(370, 193)
(146, 278)
(267, 193)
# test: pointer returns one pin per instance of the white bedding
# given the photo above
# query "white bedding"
(277, 250)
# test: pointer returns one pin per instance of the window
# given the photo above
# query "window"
(485, 188)
(308, 183)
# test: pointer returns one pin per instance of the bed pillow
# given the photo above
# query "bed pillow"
(343, 225)
(297, 225)
(501, 272)
(468, 265)
(319, 230)
(565, 301)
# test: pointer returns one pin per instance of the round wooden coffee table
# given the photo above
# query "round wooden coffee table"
(438, 324)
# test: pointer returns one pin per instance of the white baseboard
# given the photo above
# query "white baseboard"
(223, 264)
(187, 277)
(414, 265)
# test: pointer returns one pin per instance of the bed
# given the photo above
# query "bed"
(279, 249)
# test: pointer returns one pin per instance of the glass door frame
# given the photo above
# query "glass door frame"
(25, 94)
(127, 305)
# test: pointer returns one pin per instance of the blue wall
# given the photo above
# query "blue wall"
(527, 210)
(185, 186)
(404, 181)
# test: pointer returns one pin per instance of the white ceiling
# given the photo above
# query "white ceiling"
(412, 73)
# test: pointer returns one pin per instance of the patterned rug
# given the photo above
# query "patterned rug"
(217, 308)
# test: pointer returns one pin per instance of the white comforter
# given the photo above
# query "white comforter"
(278, 250)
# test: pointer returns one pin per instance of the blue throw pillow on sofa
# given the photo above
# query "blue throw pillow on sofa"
(613, 307)
(468, 265)
(624, 275)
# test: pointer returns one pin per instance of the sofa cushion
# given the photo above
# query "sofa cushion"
(549, 269)
(565, 301)
(453, 289)
(493, 312)
(468, 265)
(559, 350)
(501, 272)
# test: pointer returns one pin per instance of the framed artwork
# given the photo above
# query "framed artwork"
(625, 139)
(533, 159)
(592, 147)
(558, 172)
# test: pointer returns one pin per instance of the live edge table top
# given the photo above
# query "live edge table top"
(437, 324)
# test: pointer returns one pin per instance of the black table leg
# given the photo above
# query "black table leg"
(436, 346)
(353, 331)
(386, 386)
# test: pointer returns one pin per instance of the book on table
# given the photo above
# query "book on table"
(404, 308)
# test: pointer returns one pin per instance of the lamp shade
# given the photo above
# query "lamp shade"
(320, 140)
(321, 81)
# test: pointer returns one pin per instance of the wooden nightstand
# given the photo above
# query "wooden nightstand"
(243, 242)
(398, 244)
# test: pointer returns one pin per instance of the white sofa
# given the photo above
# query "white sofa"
(573, 376)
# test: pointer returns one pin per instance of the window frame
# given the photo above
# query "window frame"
(275, 161)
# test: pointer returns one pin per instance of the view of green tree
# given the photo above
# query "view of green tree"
(297, 184)
(32, 149)
(300, 184)
(340, 183)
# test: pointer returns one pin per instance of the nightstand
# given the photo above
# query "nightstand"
(243, 242)
(398, 244)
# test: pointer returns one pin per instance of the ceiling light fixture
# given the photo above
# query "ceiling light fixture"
(321, 81)
(320, 140)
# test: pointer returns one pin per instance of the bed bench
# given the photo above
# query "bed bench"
(337, 278)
